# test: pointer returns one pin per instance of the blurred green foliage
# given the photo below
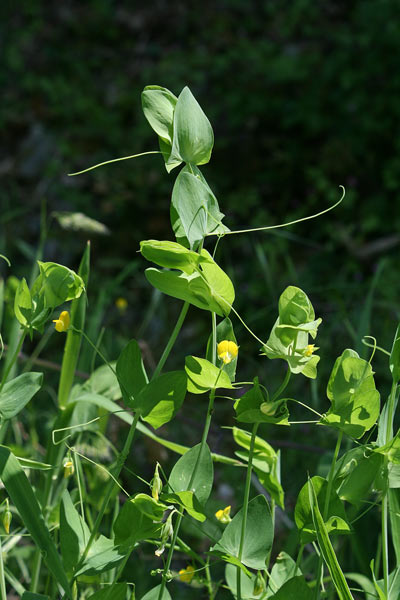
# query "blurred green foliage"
(303, 96)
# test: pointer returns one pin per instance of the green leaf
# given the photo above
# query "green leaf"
(221, 287)
(246, 583)
(294, 589)
(255, 407)
(391, 449)
(149, 507)
(295, 307)
(189, 502)
(171, 255)
(193, 137)
(182, 194)
(224, 332)
(159, 401)
(181, 473)
(74, 533)
(116, 591)
(204, 376)
(394, 514)
(131, 373)
(303, 514)
(132, 526)
(355, 473)
(326, 547)
(394, 360)
(57, 284)
(158, 105)
(153, 594)
(355, 400)
(23, 303)
(102, 556)
(18, 392)
(257, 538)
(283, 570)
(24, 499)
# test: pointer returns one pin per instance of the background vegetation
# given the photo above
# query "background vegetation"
(302, 96)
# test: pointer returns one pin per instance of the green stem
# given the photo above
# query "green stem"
(12, 360)
(110, 488)
(384, 520)
(3, 592)
(326, 506)
(194, 472)
(171, 340)
(283, 385)
(245, 506)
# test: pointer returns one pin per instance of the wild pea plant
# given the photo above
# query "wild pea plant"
(57, 543)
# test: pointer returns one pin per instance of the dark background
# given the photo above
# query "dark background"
(303, 97)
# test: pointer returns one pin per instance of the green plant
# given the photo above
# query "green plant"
(79, 545)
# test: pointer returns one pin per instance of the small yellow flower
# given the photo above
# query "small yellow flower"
(121, 304)
(224, 515)
(227, 351)
(187, 574)
(63, 321)
(309, 349)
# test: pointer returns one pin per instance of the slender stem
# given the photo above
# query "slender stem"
(283, 386)
(110, 488)
(171, 340)
(326, 506)
(244, 509)
(209, 584)
(3, 592)
(384, 514)
(194, 472)
(12, 361)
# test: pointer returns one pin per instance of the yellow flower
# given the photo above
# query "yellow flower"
(68, 468)
(308, 350)
(121, 304)
(227, 351)
(187, 574)
(224, 515)
(63, 321)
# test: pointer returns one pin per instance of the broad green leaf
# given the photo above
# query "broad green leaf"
(205, 197)
(130, 371)
(221, 286)
(74, 533)
(18, 392)
(254, 407)
(149, 507)
(182, 471)
(103, 382)
(224, 332)
(258, 535)
(132, 526)
(189, 502)
(326, 547)
(159, 401)
(154, 593)
(294, 589)
(193, 137)
(394, 360)
(364, 583)
(171, 255)
(283, 570)
(391, 449)
(246, 583)
(102, 556)
(355, 400)
(57, 284)
(116, 591)
(24, 499)
(303, 515)
(295, 307)
(355, 473)
(23, 303)
(204, 376)
(158, 105)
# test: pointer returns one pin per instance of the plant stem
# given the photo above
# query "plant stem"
(326, 505)
(244, 509)
(12, 360)
(194, 472)
(3, 592)
(110, 488)
(384, 520)
(171, 340)
(283, 386)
